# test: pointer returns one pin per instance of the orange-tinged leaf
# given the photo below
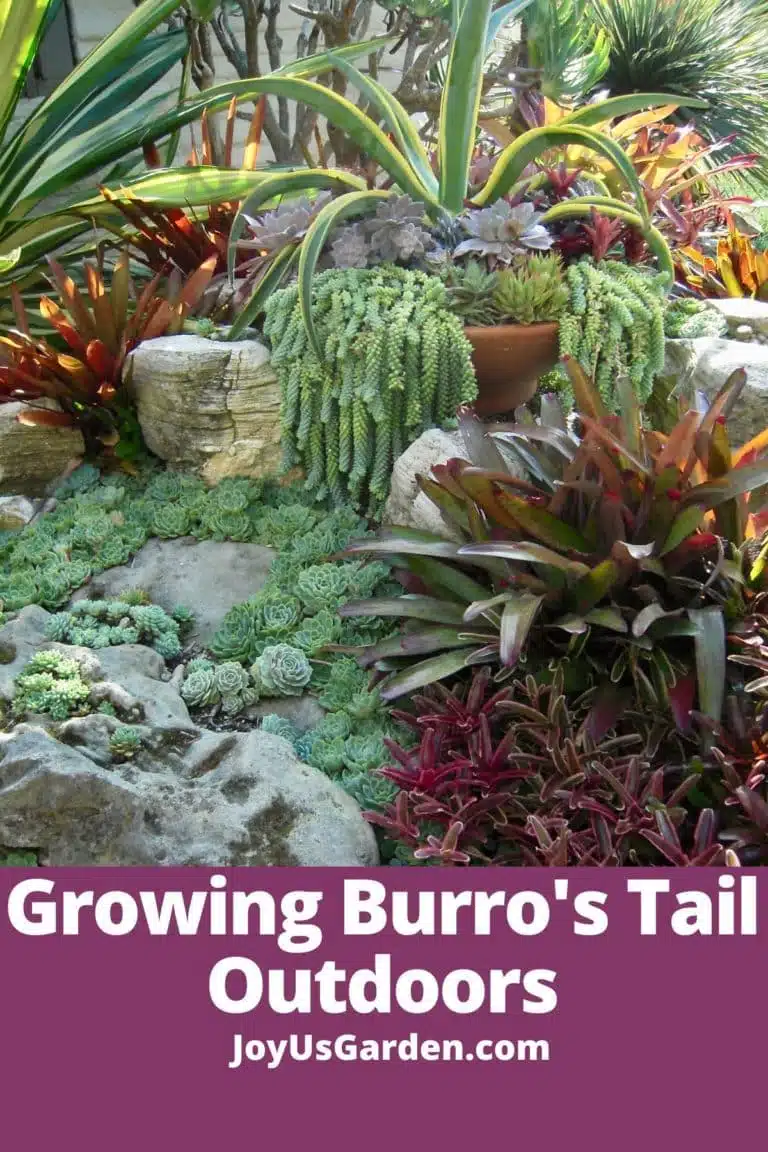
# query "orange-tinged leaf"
(73, 301)
(253, 143)
(51, 312)
(45, 417)
(588, 401)
(196, 284)
(754, 446)
(230, 134)
(633, 124)
(120, 291)
(679, 445)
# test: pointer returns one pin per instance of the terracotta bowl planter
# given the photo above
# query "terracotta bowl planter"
(508, 361)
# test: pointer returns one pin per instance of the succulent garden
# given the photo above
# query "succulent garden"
(389, 487)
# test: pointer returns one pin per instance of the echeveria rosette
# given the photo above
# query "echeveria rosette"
(281, 670)
(280, 613)
(198, 689)
(324, 586)
(502, 232)
(235, 638)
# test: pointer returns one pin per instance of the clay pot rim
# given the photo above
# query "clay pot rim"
(549, 326)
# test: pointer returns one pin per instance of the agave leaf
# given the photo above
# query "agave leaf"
(527, 148)
(460, 105)
(617, 107)
(710, 648)
(353, 204)
(396, 119)
(526, 551)
(21, 29)
(516, 623)
(408, 607)
(271, 279)
(424, 673)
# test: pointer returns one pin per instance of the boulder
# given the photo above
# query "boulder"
(705, 365)
(207, 577)
(238, 799)
(211, 404)
(32, 456)
(15, 512)
(409, 507)
(743, 311)
(189, 796)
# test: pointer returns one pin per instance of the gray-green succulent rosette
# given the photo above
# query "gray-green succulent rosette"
(281, 670)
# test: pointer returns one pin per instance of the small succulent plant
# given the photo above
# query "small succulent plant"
(503, 231)
(394, 235)
(282, 670)
(272, 231)
(125, 742)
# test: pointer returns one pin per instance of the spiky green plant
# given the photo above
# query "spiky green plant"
(395, 363)
(710, 50)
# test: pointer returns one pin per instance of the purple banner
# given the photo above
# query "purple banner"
(204, 1009)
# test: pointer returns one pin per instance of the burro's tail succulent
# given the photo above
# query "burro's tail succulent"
(395, 362)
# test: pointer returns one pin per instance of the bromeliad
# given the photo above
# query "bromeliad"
(621, 558)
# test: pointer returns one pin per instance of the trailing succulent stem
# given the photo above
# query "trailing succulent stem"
(615, 325)
(396, 362)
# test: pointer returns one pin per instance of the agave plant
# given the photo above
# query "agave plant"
(98, 328)
(621, 559)
(392, 141)
(100, 118)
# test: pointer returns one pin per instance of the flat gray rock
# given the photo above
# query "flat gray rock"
(207, 577)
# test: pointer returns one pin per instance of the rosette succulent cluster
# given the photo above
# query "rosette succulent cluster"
(227, 684)
(394, 235)
(125, 742)
(103, 623)
(51, 684)
(502, 232)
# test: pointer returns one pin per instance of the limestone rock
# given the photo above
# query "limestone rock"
(740, 311)
(705, 365)
(208, 403)
(407, 506)
(207, 577)
(33, 456)
(19, 639)
(249, 801)
(15, 512)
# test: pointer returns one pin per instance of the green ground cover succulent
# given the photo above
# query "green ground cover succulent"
(51, 684)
